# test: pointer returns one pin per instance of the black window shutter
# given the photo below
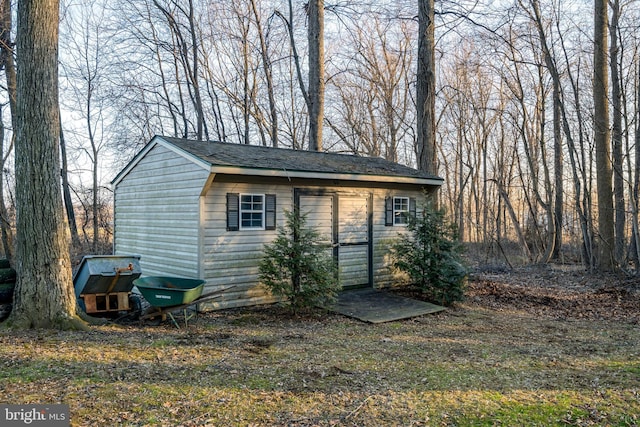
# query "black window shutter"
(233, 211)
(270, 211)
(388, 211)
(412, 206)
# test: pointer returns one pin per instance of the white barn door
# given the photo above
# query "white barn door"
(353, 240)
(319, 211)
(344, 222)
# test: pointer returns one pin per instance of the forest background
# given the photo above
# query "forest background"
(514, 105)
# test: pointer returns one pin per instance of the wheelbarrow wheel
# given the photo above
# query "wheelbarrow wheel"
(6, 292)
(135, 302)
(5, 311)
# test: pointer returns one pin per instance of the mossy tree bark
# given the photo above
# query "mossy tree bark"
(44, 296)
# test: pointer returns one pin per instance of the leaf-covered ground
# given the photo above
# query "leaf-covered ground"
(536, 347)
(564, 293)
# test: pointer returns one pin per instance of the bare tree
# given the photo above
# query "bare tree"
(294, 122)
(617, 136)
(511, 127)
(87, 66)
(372, 109)
(579, 159)
(44, 296)
(605, 242)
(315, 36)
(7, 62)
(187, 51)
(471, 106)
(426, 88)
(268, 73)
(635, 186)
(66, 189)
(555, 226)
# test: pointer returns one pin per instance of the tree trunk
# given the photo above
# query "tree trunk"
(514, 219)
(425, 88)
(316, 73)
(95, 211)
(605, 242)
(577, 156)
(555, 227)
(44, 296)
(635, 236)
(268, 75)
(194, 76)
(618, 174)
(5, 224)
(66, 192)
(246, 89)
(558, 166)
(6, 61)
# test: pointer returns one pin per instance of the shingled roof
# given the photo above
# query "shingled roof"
(282, 161)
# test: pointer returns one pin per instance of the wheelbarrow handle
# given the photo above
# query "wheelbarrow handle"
(124, 269)
(118, 271)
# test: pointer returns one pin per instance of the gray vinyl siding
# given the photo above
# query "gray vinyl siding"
(383, 237)
(231, 258)
(170, 208)
(157, 213)
(172, 212)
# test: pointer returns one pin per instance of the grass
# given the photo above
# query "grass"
(468, 366)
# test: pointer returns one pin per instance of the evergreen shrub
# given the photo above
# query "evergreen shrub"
(430, 253)
(298, 265)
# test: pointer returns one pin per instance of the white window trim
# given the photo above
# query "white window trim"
(406, 211)
(241, 211)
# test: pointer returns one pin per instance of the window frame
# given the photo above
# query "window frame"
(397, 213)
(269, 220)
(242, 211)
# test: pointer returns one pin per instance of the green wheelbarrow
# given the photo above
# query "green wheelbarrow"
(169, 294)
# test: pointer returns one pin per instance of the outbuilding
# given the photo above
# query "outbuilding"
(205, 210)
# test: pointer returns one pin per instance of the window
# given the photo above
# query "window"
(398, 210)
(251, 211)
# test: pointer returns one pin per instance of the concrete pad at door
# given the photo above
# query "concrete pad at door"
(376, 306)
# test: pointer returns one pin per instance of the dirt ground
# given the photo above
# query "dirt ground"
(532, 346)
(553, 291)
(560, 292)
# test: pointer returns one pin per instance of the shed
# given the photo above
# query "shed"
(205, 210)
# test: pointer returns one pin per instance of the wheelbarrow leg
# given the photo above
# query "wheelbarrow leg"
(173, 319)
(185, 314)
(188, 316)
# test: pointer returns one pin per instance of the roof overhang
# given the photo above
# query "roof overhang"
(283, 173)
